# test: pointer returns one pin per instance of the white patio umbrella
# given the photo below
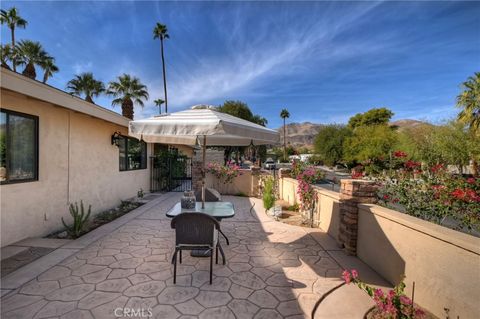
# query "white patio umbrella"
(202, 125)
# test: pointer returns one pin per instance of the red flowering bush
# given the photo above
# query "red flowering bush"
(392, 305)
(399, 154)
(357, 175)
(434, 195)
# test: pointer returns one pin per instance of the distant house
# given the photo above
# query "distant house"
(301, 157)
(57, 149)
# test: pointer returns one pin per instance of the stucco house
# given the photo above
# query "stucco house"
(57, 149)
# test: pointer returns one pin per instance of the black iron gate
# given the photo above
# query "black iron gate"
(170, 174)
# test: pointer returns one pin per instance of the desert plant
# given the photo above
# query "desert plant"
(269, 193)
(80, 219)
(127, 91)
(284, 114)
(86, 84)
(160, 32)
(30, 54)
(140, 193)
(13, 20)
(49, 67)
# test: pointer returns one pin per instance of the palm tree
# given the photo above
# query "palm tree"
(284, 114)
(11, 18)
(160, 32)
(86, 84)
(159, 102)
(469, 101)
(49, 67)
(30, 53)
(6, 54)
(127, 90)
(260, 120)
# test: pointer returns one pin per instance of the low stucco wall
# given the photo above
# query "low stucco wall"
(327, 213)
(245, 184)
(443, 263)
(76, 162)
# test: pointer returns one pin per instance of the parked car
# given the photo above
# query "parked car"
(269, 164)
(340, 168)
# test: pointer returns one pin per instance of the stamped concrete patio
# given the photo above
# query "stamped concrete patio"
(273, 270)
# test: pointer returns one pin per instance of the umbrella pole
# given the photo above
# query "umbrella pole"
(203, 170)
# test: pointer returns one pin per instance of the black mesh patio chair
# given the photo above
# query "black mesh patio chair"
(196, 231)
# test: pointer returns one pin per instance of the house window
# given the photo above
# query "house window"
(133, 154)
(18, 147)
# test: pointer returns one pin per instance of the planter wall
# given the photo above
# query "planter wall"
(246, 183)
(327, 213)
(444, 264)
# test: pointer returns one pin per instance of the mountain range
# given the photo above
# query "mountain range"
(303, 134)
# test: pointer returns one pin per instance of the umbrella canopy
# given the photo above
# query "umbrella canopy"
(202, 125)
(185, 127)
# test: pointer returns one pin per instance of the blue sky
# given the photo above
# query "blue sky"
(324, 61)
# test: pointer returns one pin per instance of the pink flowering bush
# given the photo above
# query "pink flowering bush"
(391, 305)
(305, 190)
(227, 173)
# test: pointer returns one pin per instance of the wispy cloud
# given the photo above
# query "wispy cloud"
(81, 67)
(325, 61)
(271, 51)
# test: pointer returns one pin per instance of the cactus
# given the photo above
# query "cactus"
(79, 220)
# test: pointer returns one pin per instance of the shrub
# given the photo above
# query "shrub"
(433, 194)
(294, 208)
(308, 176)
(269, 193)
(80, 219)
(394, 304)
(227, 173)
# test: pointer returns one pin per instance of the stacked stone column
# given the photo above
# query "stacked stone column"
(352, 193)
(196, 175)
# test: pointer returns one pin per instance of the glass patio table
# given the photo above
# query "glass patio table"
(218, 210)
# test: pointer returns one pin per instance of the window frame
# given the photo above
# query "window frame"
(144, 157)
(9, 112)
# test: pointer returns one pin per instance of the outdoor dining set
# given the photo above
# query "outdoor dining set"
(197, 227)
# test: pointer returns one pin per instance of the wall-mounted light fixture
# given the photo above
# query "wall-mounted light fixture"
(116, 138)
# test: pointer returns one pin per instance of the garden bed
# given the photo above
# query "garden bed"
(100, 219)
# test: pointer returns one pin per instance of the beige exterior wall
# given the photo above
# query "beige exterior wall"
(327, 214)
(443, 263)
(76, 162)
(245, 184)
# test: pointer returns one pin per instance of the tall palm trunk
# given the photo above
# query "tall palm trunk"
(45, 77)
(127, 108)
(30, 71)
(88, 98)
(164, 77)
(284, 141)
(14, 62)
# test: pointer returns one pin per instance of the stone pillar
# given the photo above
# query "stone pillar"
(352, 193)
(284, 172)
(196, 175)
(255, 187)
